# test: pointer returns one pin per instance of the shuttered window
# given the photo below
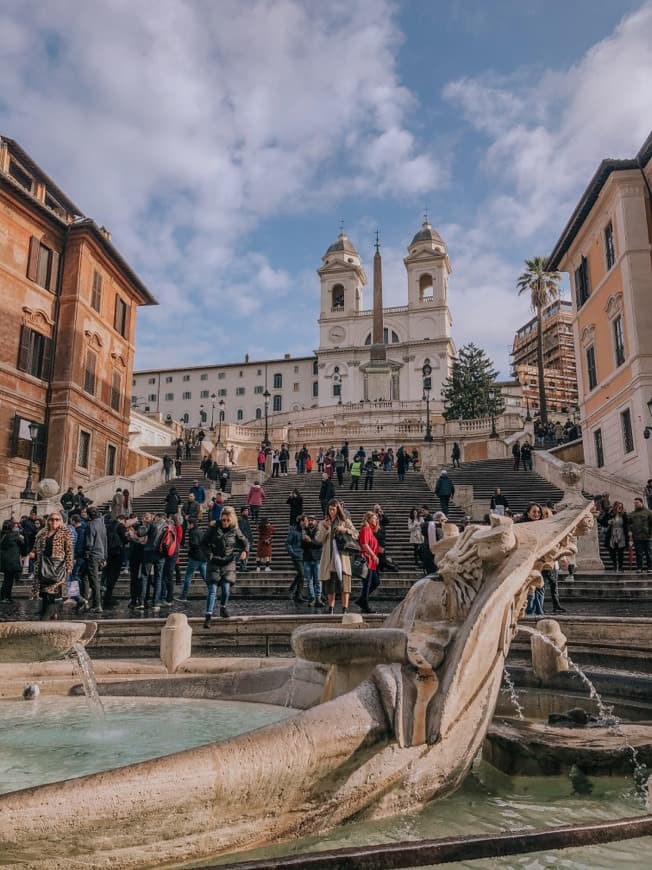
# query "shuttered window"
(35, 353)
(89, 372)
(115, 391)
(43, 265)
(96, 292)
(120, 320)
(582, 285)
(84, 449)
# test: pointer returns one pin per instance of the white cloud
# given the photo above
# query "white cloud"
(181, 125)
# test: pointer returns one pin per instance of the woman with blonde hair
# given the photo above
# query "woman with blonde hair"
(335, 563)
(53, 560)
(226, 545)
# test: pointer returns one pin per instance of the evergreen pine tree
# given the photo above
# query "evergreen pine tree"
(466, 392)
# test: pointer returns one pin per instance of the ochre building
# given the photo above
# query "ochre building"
(606, 248)
(67, 331)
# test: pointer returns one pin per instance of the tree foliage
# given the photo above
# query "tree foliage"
(466, 392)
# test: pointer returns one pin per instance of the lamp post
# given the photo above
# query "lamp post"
(202, 415)
(28, 493)
(221, 403)
(528, 416)
(266, 396)
(426, 371)
(492, 395)
(212, 410)
(648, 429)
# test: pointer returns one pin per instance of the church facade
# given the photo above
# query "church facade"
(340, 373)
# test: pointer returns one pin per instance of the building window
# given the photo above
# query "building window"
(222, 392)
(278, 403)
(186, 418)
(20, 175)
(315, 367)
(116, 390)
(151, 380)
(203, 416)
(34, 353)
(609, 247)
(96, 291)
(185, 378)
(169, 379)
(239, 391)
(591, 371)
(221, 376)
(599, 449)
(386, 337)
(278, 381)
(295, 388)
(43, 265)
(121, 317)
(203, 377)
(619, 340)
(151, 397)
(258, 390)
(628, 435)
(83, 449)
(186, 396)
(169, 397)
(110, 460)
(240, 414)
(240, 373)
(582, 286)
(133, 382)
(204, 394)
(259, 372)
(89, 372)
(296, 370)
(338, 297)
(315, 389)
(259, 413)
(337, 390)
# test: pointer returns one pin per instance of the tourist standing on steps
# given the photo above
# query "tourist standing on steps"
(640, 529)
(137, 535)
(264, 547)
(345, 453)
(617, 535)
(498, 504)
(550, 570)
(526, 456)
(284, 458)
(335, 566)
(402, 463)
(177, 466)
(535, 598)
(53, 561)
(456, 455)
(295, 501)
(276, 464)
(326, 492)
(95, 555)
(197, 558)
(311, 559)
(429, 534)
(226, 545)
(294, 549)
(416, 536)
(516, 455)
(11, 541)
(648, 494)
(369, 469)
(245, 528)
(340, 467)
(172, 502)
(444, 490)
(356, 471)
(369, 547)
(255, 500)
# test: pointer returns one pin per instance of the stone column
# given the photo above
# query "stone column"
(176, 641)
(588, 559)
(547, 661)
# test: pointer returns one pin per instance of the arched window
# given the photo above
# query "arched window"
(240, 414)
(186, 418)
(386, 336)
(337, 297)
(278, 381)
(426, 287)
(204, 416)
(259, 413)
(315, 367)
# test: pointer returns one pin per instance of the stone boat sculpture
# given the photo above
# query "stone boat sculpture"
(398, 716)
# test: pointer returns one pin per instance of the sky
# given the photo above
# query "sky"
(222, 142)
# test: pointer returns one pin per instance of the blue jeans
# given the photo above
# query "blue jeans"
(212, 595)
(311, 573)
(157, 564)
(535, 603)
(193, 565)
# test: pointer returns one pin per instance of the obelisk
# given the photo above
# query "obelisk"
(378, 371)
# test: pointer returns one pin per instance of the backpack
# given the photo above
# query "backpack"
(168, 545)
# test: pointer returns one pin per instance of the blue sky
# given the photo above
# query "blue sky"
(222, 142)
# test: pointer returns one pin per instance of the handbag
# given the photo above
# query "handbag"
(346, 543)
(51, 572)
(359, 567)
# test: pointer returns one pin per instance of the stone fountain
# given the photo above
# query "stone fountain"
(41, 641)
(393, 718)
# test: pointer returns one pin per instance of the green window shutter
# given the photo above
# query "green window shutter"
(24, 349)
(46, 364)
(53, 283)
(32, 260)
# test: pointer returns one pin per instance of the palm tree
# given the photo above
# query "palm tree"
(543, 287)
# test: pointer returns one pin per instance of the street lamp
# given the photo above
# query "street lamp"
(221, 403)
(202, 415)
(648, 429)
(28, 493)
(212, 410)
(266, 396)
(426, 371)
(492, 395)
(528, 416)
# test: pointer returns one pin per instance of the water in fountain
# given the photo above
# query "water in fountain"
(87, 674)
(606, 715)
(510, 689)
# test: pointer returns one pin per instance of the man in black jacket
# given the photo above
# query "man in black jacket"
(197, 557)
(225, 544)
(326, 492)
(95, 555)
(245, 528)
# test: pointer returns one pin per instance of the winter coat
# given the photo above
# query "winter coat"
(117, 505)
(414, 528)
(445, 487)
(68, 501)
(245, 528)
(324, 536)
(197, 549)
(326, 491)
(296, 507)
(311, 549)
(265, 533)
(640, 524)
(223, 546)
(61, 549)
(172, 502)
(293, 543)
(199, 492)
(95, 545)
(10, 544)
(256, 496)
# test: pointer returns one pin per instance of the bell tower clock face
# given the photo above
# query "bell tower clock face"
(337, 334)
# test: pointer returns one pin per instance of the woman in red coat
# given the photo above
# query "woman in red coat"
(264, 547)
(369, 549)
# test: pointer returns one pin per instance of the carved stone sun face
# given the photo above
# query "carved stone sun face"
(337, 334)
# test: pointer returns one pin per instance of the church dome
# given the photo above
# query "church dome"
(426, 234)
(342, 243)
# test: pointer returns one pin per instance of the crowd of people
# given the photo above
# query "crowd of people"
(627, 534)
(336, 462)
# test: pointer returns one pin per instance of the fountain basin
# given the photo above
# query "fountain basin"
(41, 641)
